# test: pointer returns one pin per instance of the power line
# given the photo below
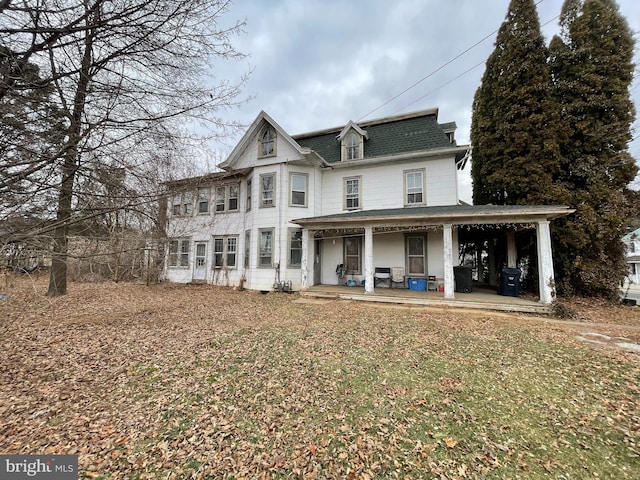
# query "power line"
(443, 66)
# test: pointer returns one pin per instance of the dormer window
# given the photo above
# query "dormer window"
(267, 147)
(352, 142)
(352, 146)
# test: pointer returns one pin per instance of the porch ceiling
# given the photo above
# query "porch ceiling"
(439, 215)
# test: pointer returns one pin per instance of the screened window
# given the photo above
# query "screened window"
(352, 193)
(267, 190)
(416, 255)
(352, 255)
(179, 252)
(414, 187)
(299, 189)
(268, 142)
(295, 247)
(225, 251)
(265, 258)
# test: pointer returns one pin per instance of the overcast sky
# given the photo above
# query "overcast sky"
(320, 63)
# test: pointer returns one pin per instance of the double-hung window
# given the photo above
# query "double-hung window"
(182, 204)
(179, 252)
(414, 187)
(227, 197)
(352, 193)
(265, 254)
(225, 250)
(299, 184)
(295, 247)
(203, 201)
(267, 190)
(249, 192)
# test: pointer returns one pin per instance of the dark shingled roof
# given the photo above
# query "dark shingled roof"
(407, 134)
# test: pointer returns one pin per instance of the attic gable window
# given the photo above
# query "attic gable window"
(267, 147)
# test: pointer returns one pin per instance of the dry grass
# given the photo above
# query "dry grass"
(177, 381)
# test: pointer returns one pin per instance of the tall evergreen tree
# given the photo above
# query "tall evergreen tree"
(515, 124)
(592, 68)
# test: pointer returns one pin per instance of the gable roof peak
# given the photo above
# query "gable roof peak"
(352, 126)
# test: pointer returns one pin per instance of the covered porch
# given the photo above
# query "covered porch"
(443, 221)
(482, 297)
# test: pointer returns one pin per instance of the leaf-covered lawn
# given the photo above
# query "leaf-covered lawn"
(176, 381)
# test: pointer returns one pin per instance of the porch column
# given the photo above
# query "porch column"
(368, 260)
(512, 252)
(545, 263)
(447, 237)
(306, 270)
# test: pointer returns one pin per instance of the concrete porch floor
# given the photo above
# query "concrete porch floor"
(481, 297)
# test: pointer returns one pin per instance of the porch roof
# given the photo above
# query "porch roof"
(439, 215)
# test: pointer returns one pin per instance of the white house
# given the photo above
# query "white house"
(290, 212)
(632, 243)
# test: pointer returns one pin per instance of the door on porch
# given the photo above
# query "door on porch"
(416, 256)
(317, 263)
(200, 264)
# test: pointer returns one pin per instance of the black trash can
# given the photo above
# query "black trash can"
(510, 282)
(462, 276)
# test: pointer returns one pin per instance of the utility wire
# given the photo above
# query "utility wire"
(443, 66)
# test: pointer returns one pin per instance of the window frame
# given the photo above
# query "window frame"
(182, 204)
(261, 232)
(359, 239)
(223, 202)
(221, 255)
(203, 200)
(346, 198)
(306, 189)
(273, 190)
(180, 256)
(409, 256)
(423, 187)
(290, 248)
(352, 140)
(272, 139)
(249, 194)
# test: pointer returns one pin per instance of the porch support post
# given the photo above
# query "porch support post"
(306, 270)
(368, 260)
(447, 237)
(512, 252)
(545, 263)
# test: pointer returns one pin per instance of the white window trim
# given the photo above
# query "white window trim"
(203, 199)
(274, 140)
(424, 187)
(249, 195)
(290, 232)
(225, 252)
(273, 244)
(344, 196)
(345, 147)
(273, 198)
(179, 252)
(184, 202)
(306, 189)
(227, 198)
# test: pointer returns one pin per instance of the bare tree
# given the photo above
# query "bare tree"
(127, 77)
